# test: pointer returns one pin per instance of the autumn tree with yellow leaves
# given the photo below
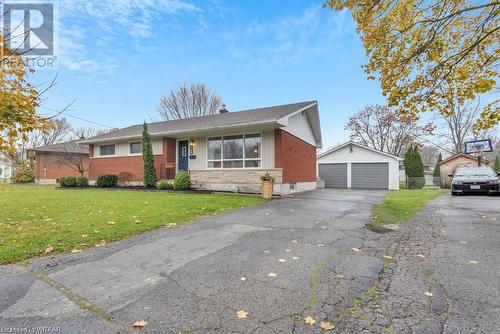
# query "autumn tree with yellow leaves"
(18, 100)
(430, 55)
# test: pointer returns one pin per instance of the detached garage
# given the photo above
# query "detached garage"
(352, 165)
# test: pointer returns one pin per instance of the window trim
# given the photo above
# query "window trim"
(243, 159)
(130, 147)
(107, 155)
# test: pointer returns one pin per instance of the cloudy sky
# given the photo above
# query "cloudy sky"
(118, 57)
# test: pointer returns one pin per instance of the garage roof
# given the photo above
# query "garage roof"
(358, 145)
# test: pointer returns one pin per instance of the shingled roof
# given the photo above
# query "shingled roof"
(66, 147)
(243, 117)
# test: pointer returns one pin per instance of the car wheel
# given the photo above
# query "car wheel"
(453, 193)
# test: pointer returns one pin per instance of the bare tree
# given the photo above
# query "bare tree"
(59, 131)
(189, 101)
(382, 128)
(86, 132)
(75, 155)
(454, 130)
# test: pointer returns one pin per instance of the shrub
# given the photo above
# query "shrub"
(82, 181)
(23, 174)
(414, 168)
(496, 166)
(165, 186)
(125, 178)
(182, 180)
(107, 181)
(69, 181)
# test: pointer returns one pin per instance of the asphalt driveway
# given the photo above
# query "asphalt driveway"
(323, 263)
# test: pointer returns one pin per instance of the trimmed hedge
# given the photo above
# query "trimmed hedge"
(182, 180)
(67, 181)
(82, 181)
(107, 181)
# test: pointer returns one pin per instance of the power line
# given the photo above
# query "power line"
(79, 118)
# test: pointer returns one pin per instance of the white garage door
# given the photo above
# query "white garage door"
(334, 175)
(370, 175)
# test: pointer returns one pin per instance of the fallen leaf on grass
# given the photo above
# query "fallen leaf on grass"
(271, 275)
(473, 261)
(102, 243)
(111, 223)
(387, 257)
(327, 326)
(354, 249)
(309, 320)
(85, 236)
(137, 221)
(48, 250)
(140, 324)
(74, 250)
(241, 314)
(428, 294)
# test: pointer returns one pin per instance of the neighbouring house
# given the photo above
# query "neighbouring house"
(449, 165)
(7, 166)
(228, 151)
(51, 162)
(352, 165)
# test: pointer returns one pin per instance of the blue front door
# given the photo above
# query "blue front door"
(183, 155)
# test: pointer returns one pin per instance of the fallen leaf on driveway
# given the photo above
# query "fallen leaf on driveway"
(294, 241)
(473, 261)
(267, 214)
(241, 314)
(74, 250)
(140, 323)
(354, 249)
(267, 252)
(271, 275)
(327, 326)
(288, 250)
(387, 257)
(421, 255)
(281, 260)
(309, 320)
(48, 250)
(321, 245)
(243, 279)
(339, 276)
(295, 258)
(428, 294)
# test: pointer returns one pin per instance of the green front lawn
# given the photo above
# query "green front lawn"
(35, 219)
(401, 205)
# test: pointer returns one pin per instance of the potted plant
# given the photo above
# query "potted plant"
(267, 185)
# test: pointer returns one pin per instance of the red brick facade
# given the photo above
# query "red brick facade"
(133, 164)
(295, 156)
(50, 165)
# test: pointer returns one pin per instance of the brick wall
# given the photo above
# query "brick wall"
(49, 165)
(295, 156)
(133, 164)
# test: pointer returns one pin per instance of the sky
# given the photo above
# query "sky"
(118, 57)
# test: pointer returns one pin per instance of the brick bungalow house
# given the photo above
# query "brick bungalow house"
(54, 161)
(228, 151)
